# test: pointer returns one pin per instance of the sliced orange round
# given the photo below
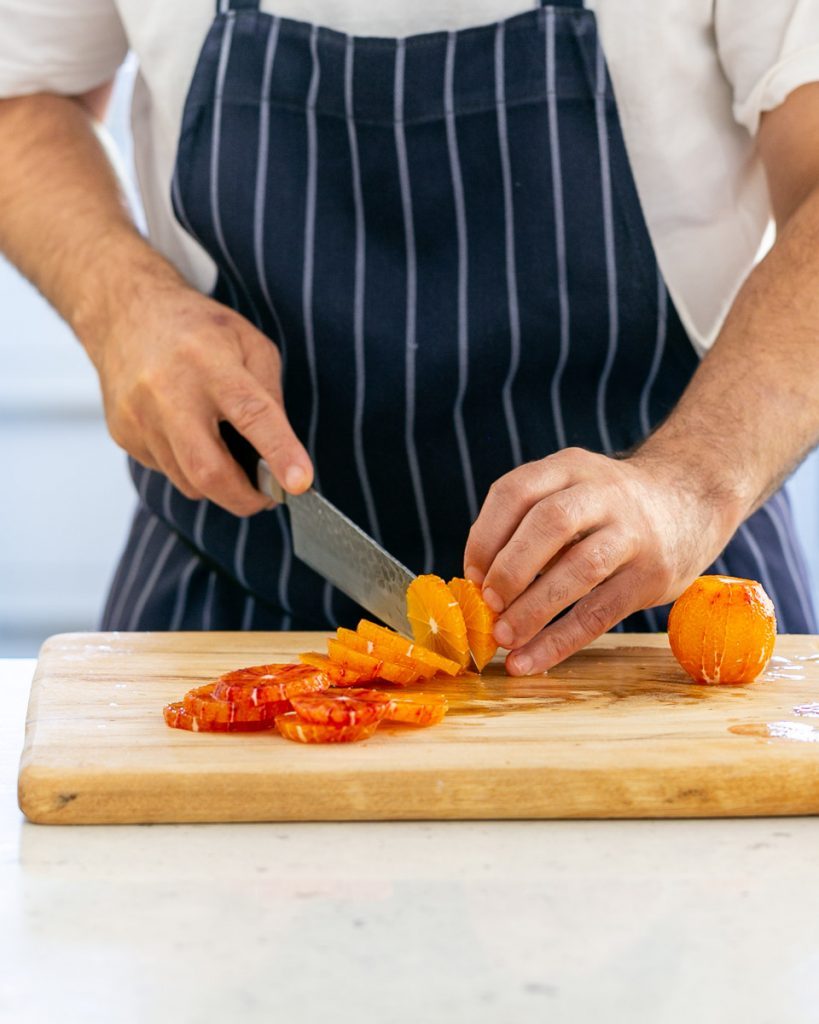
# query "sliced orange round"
(357, 658)
(178, 716)
(388, 640)
(338, 674)
(261, 684)
(202, 704)
(417, 708)
(338, 709)
(405, 669)
(479, 620)
(436, 618)
(294, 728)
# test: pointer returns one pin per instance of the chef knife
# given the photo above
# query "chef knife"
(326, 540)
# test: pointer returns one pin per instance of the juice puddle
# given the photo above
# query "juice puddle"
(799, 731)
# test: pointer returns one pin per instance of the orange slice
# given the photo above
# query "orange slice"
(412, 669)
(387, 640)
(436, 619)
(478, 618)
(294, 728)
(417, 708)
(177, 716)
(354, 652)
(338, 674)
(261, 684)
(339, 709)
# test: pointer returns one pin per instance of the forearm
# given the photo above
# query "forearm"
(750, 413)
(63, 219)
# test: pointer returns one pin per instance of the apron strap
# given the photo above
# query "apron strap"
(223, 6)
(561, 3)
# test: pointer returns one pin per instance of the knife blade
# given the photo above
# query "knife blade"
(326, 540)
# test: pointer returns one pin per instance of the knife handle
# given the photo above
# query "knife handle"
(257, 470)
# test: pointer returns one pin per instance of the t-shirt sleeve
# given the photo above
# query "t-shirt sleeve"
(62, 46)
(768, 48)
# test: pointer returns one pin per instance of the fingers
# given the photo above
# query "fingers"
(582, 568)
(549, 526)
(592, 616)
(212, 471)
(260, 417)
(167, 463)
(509, 499)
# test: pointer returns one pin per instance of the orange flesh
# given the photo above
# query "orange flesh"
(338, 674)
(358, 659)
(202, 704)
(722, 630)
(293, 728)
(436, 619)
(338, 709)
(264, 683)
(388, 640)
(479, 620)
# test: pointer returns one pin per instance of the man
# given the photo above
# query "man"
(449, 281)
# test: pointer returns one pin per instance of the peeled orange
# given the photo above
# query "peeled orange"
(722, 629)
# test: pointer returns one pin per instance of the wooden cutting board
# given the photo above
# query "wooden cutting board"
(616, 731)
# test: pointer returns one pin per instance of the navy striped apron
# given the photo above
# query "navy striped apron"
(443, 236)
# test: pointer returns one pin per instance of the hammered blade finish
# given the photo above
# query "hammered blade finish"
(326, 540)
(343, 553)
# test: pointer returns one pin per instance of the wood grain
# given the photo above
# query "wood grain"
(616, 731)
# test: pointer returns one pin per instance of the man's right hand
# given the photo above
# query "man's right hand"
(172, 365)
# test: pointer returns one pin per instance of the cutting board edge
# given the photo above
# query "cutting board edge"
(46, 796)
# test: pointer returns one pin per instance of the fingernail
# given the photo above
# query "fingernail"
(495, 601)
(504, 634)
(522, 664)
(474, 574)
(294, 478)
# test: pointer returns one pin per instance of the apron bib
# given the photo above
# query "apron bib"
(443, 236)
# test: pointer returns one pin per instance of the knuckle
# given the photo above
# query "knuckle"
(554, 518)
(595, 617)
(246, 409)
(505, 576)
(594, 563)
(205, 475)
(527, 615)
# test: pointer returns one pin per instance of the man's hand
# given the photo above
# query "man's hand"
(172, 365)
(171, 362)
(607, 536)
(618, 535)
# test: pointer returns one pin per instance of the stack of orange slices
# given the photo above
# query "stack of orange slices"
(340, 696)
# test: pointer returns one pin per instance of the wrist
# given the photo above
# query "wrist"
(704, 473)
(119, 282)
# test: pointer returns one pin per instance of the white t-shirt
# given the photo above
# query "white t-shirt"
(691, 79)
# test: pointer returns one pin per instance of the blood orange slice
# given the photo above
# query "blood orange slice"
(417, 708)
(261, 684)
(436, 618)
(479, 620)
(178, 716)
(338, 709)
(202, 704)
(294, 728)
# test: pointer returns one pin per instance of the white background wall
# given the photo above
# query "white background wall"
(65, 499)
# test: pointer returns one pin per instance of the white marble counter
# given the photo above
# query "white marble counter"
(710, 921)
